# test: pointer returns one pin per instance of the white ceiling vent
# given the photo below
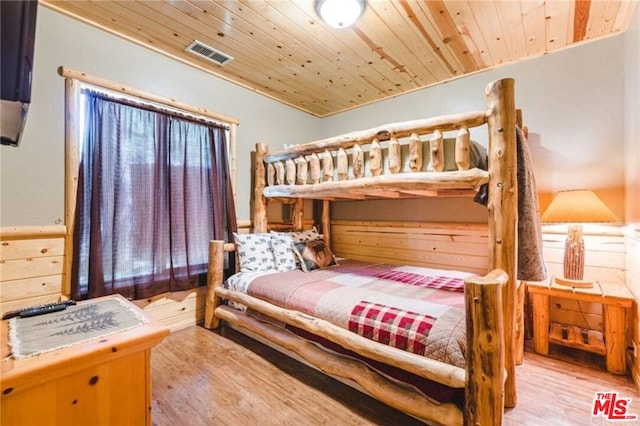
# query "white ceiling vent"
(209, 53)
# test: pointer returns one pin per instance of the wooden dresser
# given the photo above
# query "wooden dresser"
(104, 381)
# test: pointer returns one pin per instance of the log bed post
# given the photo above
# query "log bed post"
(214, 279)
(522, 288)
(297, 221)
(503, 212)
(259, 200)
(326, 221)
(484, 385)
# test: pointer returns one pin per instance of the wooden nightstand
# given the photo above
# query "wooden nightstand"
(104, 381)
(615, 300)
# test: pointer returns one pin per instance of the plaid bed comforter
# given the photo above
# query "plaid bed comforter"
(416, 309)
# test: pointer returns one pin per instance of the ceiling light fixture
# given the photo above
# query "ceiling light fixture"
(340, 13)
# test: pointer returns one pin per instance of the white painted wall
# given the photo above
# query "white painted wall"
(32, 175)
(632, 119)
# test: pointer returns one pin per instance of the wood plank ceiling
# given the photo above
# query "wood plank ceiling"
(283, 50)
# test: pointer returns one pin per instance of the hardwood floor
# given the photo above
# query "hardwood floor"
(201, 377)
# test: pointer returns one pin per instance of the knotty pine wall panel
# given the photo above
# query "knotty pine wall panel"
(436, 245)
(31, 273)
(176, 310)
(31, 266)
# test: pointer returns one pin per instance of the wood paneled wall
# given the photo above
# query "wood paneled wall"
(176, 310)
(437, 245)
(31, 266)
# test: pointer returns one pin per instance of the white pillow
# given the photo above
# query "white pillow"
(254, 252)
(283, 251)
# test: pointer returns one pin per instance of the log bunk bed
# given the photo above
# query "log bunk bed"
(306, 171)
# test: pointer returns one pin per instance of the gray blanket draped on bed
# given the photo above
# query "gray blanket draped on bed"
(531, 265)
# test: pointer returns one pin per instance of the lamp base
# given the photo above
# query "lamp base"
(573, 283)
(574, 254)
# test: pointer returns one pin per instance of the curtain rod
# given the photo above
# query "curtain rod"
(112, 85)
(143, 104)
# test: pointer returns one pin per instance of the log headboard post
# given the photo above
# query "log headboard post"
(325, 222)
(259, 200)
(485, 349)
(503, 212)
(214, 279)
(298, 214)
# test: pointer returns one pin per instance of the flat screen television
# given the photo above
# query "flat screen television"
(18, 30)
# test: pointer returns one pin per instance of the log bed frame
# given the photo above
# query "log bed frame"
(306, 171)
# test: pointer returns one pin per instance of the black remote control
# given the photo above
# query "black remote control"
(39, 310)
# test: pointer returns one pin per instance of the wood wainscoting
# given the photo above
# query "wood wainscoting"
(176, 310)
(31, 266)
(32, 272)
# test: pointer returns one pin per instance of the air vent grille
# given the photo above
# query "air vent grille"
(209, 53)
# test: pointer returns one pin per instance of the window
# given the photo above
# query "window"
(153, 188)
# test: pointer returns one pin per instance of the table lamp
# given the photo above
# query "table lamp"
(576, 207)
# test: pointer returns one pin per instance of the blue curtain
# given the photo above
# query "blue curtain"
(153, 189)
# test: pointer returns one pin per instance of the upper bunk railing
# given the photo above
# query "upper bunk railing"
(371, 163)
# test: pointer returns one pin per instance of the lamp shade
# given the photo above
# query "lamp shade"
(577, 206)
(340, 13)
